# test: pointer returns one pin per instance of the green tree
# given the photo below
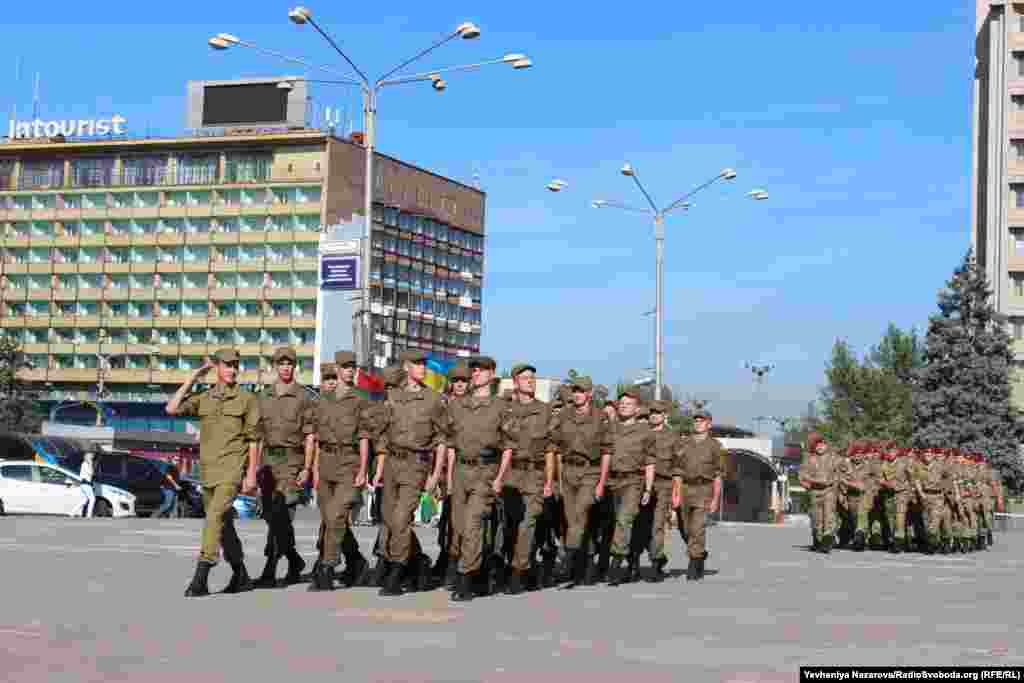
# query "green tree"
(962, 392)
(20, 410)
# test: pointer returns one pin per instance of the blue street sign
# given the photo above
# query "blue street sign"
(339, 272)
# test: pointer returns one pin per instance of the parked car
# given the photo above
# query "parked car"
(124, 471)
(190, 502)
(29, 487)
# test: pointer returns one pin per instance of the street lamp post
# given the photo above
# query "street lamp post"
(659, 244)
(370, 89)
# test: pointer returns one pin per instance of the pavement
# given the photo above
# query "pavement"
(101, 600)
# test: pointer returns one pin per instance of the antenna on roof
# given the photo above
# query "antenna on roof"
(17, 81)
(35, 99)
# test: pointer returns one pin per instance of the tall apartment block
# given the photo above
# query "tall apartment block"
(116, 246)
(997, 219)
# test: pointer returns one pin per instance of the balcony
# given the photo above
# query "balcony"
(169, 267)
(90, 294)
(304, 293)
(250, 350)
(282, 237)
(278, 293)
(194, 322)
(224, 266)
(305, 264)
(94, 267)
(87, 320)
(134, 376)
(12, 321)
(17, 267)
(116, 294)
(118, 240)
(251, 323)
(224, 237)
(116, 321)
(250, 293)
(307, 236)
(195, 294)
(65, 294)
(111, 267)
(37, 321)
(62, 347)
(222, 294)
(193, 349)
(171, 294)
(15, 294)
(144, 267)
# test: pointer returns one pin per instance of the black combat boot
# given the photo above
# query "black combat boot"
(355, 568)
(393, 581)
(700, 569)
(616, 577)
(200, 585)
(268, 579)
(858, 541)
(826, 545)
(240, 581)
(463, 588)
(659, 570)
(547, 571)
(634, 568)
(574, 563)
(514, 586)
(691, 570)
(295, 566)
(991, 540)
(981, 542)
(322, 579)
(897, 546)
(380, 572)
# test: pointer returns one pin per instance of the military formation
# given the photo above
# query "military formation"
(534, 494)
(878, 495)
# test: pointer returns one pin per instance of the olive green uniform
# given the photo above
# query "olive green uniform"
(850, 473)
(526, 479)
(287, 417)
(701, 465)
(895, 489)
(633, 450)
(818, 474)
(932, 476)
(668, 464)
(481, 429)
(342, 421)
(229, 419)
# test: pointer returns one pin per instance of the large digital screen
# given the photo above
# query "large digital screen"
(251, 103)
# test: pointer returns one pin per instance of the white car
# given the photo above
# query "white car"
(28, 487)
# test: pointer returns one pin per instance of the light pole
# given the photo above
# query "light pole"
(370, 89)
(659, 243)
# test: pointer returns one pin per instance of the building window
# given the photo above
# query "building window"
(92, 172)
(143, 170)
(249, 168)
(197, 170)
(40, 174)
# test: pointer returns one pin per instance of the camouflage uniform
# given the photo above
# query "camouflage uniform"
(818, 475)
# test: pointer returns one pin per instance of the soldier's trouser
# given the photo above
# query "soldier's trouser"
(625, 497)
(474, 498)
(896, 513)
(456, 494)
(219, 529)
(988, 506)
(578, 493)
(662, 510)
(336, 500)
(934, 512)
(524, 507)
(877, 521)
(279, 495)
(404, 478)
(857, 510)
(698, 494)
(823, 512)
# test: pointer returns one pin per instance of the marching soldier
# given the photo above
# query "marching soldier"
(667, 470)
(929, 473)
(991, 496)
(328, 385)
(894, 482)
(480, 427)
(872, 498)
(702, 456)
(393, 377)
(459, 376)
(629, 472)
(531, 480)
(229, 420)
(818, 475)
(851, 473)
(583, 437)
(339, 471)
(287, 425)
(410, 461)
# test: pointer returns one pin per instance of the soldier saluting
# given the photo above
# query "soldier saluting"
(228, 435)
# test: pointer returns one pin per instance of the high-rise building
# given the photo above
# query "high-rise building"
(156, 252)
(997, 218)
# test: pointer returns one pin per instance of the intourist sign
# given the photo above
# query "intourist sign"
(71, 128)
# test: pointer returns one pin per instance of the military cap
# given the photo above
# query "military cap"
(813, 439)
(226, 356)
(393, 375)
(459, 371)
(702, 414)
(328, 370)
(412, 356)
(630, 390)
(285, 353)
(343, 358)
(484, 362)
(583, 383)
(522, 367)
(658, 407)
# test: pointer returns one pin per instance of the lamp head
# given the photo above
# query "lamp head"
(524, 63)
(218, 43)
(468, 30)
(439, 84)
(300, 15)
(728, 174)
(627, 170)
(758, 195)
(557, 185)
(599, 203)
(285, 85)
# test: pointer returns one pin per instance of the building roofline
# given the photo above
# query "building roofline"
(8, 146)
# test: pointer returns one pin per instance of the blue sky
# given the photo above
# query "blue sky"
(855, 117)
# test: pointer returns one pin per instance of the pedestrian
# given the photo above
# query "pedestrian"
(629, 470)
(86, 473)
(169, 488)
(667, 469)
(287, 427)
(481, 433)
(702, 469)
(818, 475)
(229, 424)
(583, 437)
(531, 481)
(342, 426)
(411, 459)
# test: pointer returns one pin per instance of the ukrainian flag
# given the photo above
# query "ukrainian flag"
(437, 373)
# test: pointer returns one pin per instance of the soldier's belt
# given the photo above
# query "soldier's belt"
(698, 481)
(577, 461)
(618, 476)
(663, 477)
(275, 451)
(425, 456)
(932, 491)
(486, 456)
(527, 465)
(337, 448)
